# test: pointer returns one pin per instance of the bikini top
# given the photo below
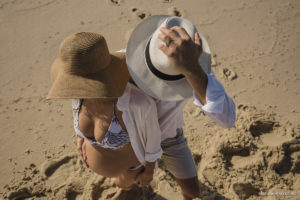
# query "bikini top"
(115, 137)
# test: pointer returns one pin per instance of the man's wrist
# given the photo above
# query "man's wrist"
(149, 167)
(196, 72)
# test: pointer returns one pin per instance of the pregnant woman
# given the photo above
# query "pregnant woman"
(95, 79)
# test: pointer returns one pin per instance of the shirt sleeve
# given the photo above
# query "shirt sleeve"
(142, 124)
(219, 106)
(152, 130)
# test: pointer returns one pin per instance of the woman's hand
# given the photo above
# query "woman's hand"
(82, 150)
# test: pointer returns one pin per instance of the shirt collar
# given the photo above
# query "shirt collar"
(123, 101)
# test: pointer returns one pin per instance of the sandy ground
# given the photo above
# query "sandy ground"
(256, 50)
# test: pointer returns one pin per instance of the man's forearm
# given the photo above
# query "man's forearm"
(198, 81)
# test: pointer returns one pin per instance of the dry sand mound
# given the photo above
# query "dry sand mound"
(260, 155)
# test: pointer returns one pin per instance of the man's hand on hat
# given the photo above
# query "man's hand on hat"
(182, 51)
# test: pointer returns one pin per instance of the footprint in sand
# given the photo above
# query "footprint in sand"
(291, 146)
(244, 190)
(49, 167)
(260, 127)
(239, 157)
(175, 12)
(22, 193)
(280, 162)
(292, 154)
(283, 160)
(286, 159)
(230, 152)
(295, 159)
(214, 62)
(244, 107)
(141, 14)
(114, 2)
(229, 74)
(268, 132)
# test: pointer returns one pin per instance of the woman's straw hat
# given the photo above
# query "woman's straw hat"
(86, 69)
(150, 68)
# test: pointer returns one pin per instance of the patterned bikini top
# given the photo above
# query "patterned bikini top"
(115, 137)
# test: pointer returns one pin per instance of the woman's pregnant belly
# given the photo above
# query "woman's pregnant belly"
(107, 162)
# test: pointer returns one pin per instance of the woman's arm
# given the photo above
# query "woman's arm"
(81, 150)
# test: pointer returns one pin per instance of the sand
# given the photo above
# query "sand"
(256, 50)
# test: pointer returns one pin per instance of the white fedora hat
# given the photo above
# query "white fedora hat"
(150, 68)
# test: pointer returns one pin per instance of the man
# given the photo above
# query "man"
(169, 60)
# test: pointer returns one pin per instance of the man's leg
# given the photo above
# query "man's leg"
(125, 182)
(179, 161)
(189, 187)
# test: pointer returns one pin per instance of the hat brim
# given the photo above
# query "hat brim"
(109, 83)
(140, 72)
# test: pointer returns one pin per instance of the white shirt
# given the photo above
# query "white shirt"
(150, 121)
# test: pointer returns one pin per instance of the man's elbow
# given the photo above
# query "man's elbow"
(230, 124)
(232, 116)
(230, 121)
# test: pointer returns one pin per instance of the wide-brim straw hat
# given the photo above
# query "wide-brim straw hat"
(86, 69)
(150, 68)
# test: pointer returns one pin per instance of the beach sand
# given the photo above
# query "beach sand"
(256, 55)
